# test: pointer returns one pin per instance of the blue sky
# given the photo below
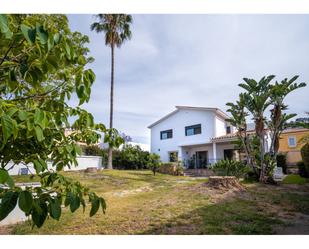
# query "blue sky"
(195, 60)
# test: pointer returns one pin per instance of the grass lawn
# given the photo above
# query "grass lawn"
(295, 179)
(139, 203)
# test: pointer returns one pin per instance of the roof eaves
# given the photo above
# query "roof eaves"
(161, 119)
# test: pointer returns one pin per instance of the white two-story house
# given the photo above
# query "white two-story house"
(198, 136)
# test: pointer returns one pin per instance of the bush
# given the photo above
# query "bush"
(153, 162)
(130, 157)
(302, 169)
(281, 162)
(230, 168)
(305, 156)
(252, 176)
(92, 150)
(174, 168)
(179, 168)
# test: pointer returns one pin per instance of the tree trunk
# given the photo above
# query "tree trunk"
(259, 129)
(110, 149)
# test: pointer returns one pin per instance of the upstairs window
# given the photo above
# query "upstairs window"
(228, 130)
(166, 134)
(193, 130)
(292, 141)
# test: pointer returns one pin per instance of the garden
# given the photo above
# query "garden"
(44, 65)
(140, 203)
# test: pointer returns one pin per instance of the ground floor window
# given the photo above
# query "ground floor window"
(173, 156)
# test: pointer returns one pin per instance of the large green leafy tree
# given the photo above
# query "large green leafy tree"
(42, 65)
(116, 28)
(257, 97)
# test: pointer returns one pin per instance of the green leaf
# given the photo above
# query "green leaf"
(55, 209)
(43, 164)
(56, 38)
(38, 166)
(39, 214)
(38, 117)
(78, 149)
(30, 125)
(68, 199)
(4, 27)
(39, 133)
(7, 127)
(43, 35)
(4, 176)
(8, 203)
(28, 33)
(95, 204)
(22, 115)
(68, 50)
(75, 203)
(25, 201)
(10, 112)
(80, 91)
(52, 60)
(50, 43)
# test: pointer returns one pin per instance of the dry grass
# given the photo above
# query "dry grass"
(140, 203)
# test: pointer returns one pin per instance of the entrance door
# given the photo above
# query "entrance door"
(228, 154)
(201, 159)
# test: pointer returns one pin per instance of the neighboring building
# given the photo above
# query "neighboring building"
(289, 144)
(198, 136)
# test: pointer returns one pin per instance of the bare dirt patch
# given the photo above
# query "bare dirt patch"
(132, 191)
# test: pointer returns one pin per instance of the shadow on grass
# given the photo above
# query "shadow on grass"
(237, 216)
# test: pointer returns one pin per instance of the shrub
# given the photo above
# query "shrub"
(179, 168)
(130, 157)
(281, 162)
(92, 150)
(305, 156)
(153, 162)
(252, 176)
(230, 168)
(302, 169)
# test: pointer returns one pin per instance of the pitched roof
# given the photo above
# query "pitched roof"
(218, 111)
(296, 129)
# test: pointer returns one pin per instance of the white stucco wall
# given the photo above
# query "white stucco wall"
(220, 126)
(177, 122)
(84, 162)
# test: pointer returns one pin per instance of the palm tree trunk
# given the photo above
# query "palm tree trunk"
(259, 126)
(110, 149)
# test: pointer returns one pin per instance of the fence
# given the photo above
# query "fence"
(83, 162)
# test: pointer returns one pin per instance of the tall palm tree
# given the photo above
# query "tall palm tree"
(256, 98)
(278, 93)
(116, 28)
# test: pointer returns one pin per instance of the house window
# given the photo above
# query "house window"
(166, 134)
(193, 130)
(292, 141)
(228, 129)
(173, 156)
